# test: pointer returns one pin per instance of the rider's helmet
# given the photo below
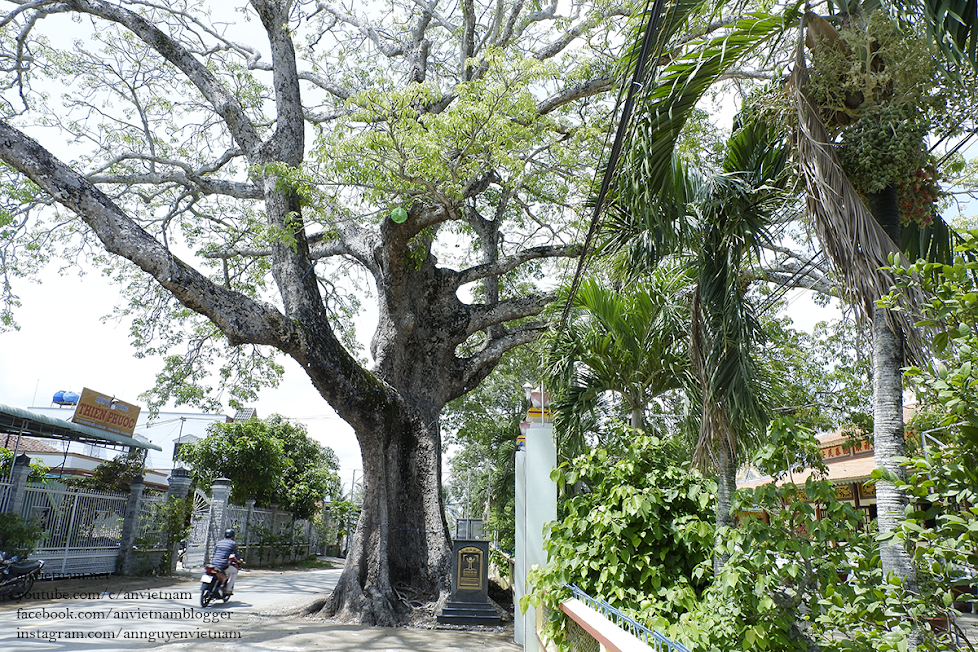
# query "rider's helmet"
(229, 533)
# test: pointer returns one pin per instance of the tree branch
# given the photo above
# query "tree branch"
(287, 145)
(509, 264)
(572, 34)
(388, 47)
(240, 318)
(194, 182)
(325, 250)
(223, 102)
(584, 89)
(474, 369)
(483, 317)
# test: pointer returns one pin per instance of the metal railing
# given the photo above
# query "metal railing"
(151, 522)
(4, 492)
(82, 528)
(650, 637)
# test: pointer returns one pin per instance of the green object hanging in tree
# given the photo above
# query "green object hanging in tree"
(399, 215)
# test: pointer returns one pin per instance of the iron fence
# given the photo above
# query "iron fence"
(263, 535)
(650, 637)
(82, 529)
(151, 522)
(4, 493)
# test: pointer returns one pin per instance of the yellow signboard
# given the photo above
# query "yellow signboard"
(105, 413)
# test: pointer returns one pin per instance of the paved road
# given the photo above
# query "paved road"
(111, 614)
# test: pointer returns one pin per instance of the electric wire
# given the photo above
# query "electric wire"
(651, 29)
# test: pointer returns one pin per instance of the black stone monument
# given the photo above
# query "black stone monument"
(469, 603)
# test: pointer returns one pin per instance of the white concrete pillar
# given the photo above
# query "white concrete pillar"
(541, 508)
(519, 566)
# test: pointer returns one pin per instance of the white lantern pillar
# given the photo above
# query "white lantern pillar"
(536, 505)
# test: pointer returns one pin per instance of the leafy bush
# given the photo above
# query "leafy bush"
(272, 459)
(113, 475)
(803, 570)
(19, 536)
(38, 472)
(638, 536)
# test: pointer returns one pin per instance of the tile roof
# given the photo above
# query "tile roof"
(27, 444)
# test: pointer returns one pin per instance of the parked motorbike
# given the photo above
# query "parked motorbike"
(17, 577)
(213, 583)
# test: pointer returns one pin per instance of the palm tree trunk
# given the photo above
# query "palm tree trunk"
(888, 436)
(726, 485)
(637, 419)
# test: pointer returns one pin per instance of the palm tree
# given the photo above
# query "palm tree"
(721, 221)
(855, 239)
(631, 342)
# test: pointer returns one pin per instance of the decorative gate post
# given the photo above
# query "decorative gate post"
(179, 486)
(126, 562)
(536, 497)
(220, 493)
(18, 484)
(519, 563)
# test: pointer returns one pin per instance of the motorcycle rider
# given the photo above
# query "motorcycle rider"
(223, 551)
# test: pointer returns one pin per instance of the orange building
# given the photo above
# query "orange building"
(850, 462)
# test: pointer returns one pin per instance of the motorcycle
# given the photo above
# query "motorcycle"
(213, 583)
(17, 577)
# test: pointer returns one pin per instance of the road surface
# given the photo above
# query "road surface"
(108, 614)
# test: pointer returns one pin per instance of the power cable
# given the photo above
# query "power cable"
(651, 29)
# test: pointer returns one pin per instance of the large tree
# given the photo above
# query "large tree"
(460, 130)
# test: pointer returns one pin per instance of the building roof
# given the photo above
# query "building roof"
(26, 444)
(246, 414)
(845, 470)
(17, 420)
(847, 460)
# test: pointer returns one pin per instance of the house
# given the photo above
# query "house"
(168, 430)
(850, 462)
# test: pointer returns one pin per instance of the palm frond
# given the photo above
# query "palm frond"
(953, 27)
(857, 247)
(647, 166)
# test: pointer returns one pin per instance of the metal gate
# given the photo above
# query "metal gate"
(82, 529)
(200, 539)
(4, 492)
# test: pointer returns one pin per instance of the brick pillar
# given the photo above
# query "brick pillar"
(126, 564)
(18, 484)
(179, 486)
(220, 494)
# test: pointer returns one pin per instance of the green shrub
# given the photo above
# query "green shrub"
(639, 537)
(19, 536)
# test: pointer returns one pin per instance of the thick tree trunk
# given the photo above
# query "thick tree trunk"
(888, 435)
(401, 545)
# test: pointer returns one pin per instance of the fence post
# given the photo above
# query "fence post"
(250, 510)
(179, 486)
(126, 564)
(220, 494)
(18, 484)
